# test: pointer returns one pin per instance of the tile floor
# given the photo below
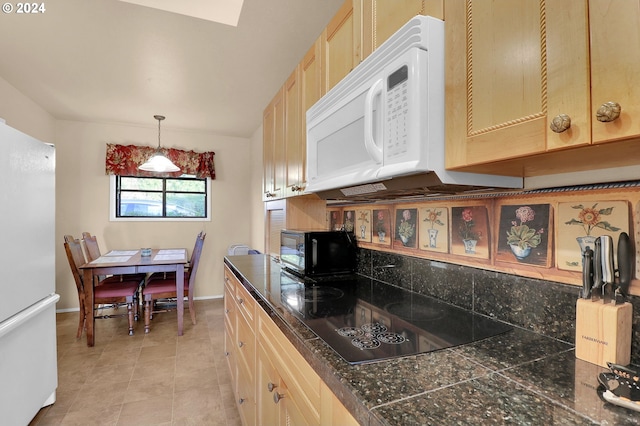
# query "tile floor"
(153, 379)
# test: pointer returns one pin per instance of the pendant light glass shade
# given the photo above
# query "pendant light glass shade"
(158, 163)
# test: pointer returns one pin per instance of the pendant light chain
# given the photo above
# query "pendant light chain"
(159, 118)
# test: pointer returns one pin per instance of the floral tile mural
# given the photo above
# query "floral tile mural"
(348, 220)
(433, 231)
(470, 231)
(363, 225)
(580, 223)
(405, 228)
(334, 219)
(524, 234)
(382, 227)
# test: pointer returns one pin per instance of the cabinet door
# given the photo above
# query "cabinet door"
(245, 397)
(310, 93)
(273, 148)
(268, 381)
(341, 44)
(294, 153)
(615, 70)
(511, 68)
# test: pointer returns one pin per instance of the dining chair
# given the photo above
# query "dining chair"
(165, 288)
(171, 275)
(105, 292)
(92, 251)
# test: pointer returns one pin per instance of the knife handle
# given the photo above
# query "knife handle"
(625, 262)
(587, 273)
(606, 251)
(597, 268)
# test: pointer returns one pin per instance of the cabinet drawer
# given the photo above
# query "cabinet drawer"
(245, 346)
(246, 304)
(230, 355)
(229, 309)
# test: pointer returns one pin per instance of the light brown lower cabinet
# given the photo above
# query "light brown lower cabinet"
(273, 383)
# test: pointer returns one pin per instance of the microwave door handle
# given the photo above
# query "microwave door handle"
(314, 253)
(375, 152)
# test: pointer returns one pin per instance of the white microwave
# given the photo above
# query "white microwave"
(381, 128)
(381, 119)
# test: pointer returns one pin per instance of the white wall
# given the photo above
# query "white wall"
(82, 189)
(25, 115)
(257, 205)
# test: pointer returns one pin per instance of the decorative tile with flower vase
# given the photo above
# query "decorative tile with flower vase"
(381, 227)
(470, 231)
(523, 235)
(363, 225)
(349, 220)
(334, 219)
(581, 222)
(433, 229)
(405, 232)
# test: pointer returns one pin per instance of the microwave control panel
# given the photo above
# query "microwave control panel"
(396, 138)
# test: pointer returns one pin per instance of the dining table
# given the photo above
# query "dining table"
(122, 262)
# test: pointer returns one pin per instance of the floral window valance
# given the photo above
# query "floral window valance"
(123, 160)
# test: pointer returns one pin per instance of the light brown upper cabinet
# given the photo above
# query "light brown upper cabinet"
(511, 67)
(302, 90)
(293, 142)
(614, 27)
(273, 148)
(382, 18)
(525, 81)
(341, 44)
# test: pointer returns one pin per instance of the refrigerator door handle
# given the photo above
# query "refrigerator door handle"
(23, 316)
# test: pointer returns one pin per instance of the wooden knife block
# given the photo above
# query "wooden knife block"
(603, 332)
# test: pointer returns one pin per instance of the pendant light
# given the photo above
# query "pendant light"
(157, 162)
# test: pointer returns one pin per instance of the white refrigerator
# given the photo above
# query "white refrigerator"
(28, 360)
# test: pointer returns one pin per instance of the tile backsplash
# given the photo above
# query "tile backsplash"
(545, 307)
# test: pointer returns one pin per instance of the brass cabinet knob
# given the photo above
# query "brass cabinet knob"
(560, 123)
(240, 344)
(608, 111)
(277, 397)
(271, 387)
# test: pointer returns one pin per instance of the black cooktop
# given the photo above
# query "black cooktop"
(365, 320)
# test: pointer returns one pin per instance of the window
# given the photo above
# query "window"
(158, 198)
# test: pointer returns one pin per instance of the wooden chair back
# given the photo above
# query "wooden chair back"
(75, 256)
(195, 260)
(92, 249)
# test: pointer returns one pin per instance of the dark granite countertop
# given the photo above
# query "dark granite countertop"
(520, 377)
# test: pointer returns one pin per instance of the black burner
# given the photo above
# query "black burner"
(374, 328)
(350, 332)
(365, 343)
(391, 338)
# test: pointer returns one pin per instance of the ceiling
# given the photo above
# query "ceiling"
(116, 61)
